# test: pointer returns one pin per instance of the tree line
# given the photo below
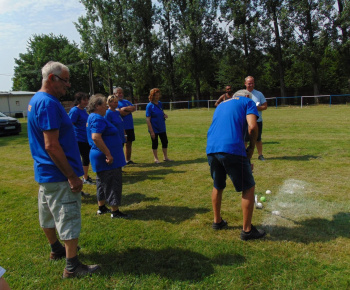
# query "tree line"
(193, 48)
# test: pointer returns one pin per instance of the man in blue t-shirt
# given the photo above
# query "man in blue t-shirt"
(57, 168)
(227, 155)
(261, 105)
(127, 108)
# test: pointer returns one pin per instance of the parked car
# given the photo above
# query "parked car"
(9, 125)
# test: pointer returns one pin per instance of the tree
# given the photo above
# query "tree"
(243, 19)
(40, 50)
(198, 38)
(273, 11)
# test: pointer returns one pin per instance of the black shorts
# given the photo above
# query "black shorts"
(131, 135)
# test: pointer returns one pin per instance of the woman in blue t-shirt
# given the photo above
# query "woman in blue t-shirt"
(107, 157)
(155, 118)
(79, 116)
(115, 117)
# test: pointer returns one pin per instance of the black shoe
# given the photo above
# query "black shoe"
(254, 234)
(119, 214)
(220, 225)
(88, 180)
(130, 162)
(261, 158)
(84, 194)
(103, 210)
(81, 271)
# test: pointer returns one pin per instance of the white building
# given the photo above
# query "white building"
(15, 104)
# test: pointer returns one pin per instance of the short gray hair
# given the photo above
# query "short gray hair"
(116, 89)
(94, 101)
(243, 93)
(52, 67)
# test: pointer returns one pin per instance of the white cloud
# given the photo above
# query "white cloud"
(20, 19)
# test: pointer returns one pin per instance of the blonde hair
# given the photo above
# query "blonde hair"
(111, 98)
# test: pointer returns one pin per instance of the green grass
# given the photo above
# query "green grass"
(169, 243)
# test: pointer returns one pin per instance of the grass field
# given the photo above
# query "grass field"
(169, 243)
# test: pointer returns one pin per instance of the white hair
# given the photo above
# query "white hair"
(116, 89)
(52, 67)
(243, 93)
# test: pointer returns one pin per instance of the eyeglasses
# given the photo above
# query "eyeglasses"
(63, 80)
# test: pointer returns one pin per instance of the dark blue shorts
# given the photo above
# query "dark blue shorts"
(236, 167)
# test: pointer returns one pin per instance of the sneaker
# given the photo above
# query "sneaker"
(220, 225)
(261, 157)
(103, 210)
(84, 194)
(130, 162)
(58, 256)
(119, 214)
(80, 271)
(254, 234)
(88, 180)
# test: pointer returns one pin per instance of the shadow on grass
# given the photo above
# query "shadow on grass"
(170, 214)
(163, 164)
(313, 230)
(127, 200)
(295, 158)
(171, 263)
(150, 174)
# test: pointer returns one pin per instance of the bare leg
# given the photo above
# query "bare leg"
(259, 147)
(114, 207)
(216, 198)
(155, 154)
(165, 153)
(86, 170)
(71, 248)
(101, 202)
(50, 234)
(247, 208)
(128, 149)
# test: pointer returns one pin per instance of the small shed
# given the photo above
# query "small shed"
(15, 103)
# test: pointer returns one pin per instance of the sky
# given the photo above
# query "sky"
(20, 19)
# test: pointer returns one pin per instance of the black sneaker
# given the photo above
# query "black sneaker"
(88, 180)
(220, 225)
(81, 271)
(254, 234)
(119, 214)
(130, 162)
(103, 210)
(261, 158)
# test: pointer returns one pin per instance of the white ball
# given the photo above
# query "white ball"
(276, 212)
(258, 104)
(268, 191)
(259, 205)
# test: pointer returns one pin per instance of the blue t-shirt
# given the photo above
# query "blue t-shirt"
(128, 120)
(79, 118)
(110, 136)
(226, 132)
(258, 97)
(157, 117)
(45, 112)
(116, 119)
